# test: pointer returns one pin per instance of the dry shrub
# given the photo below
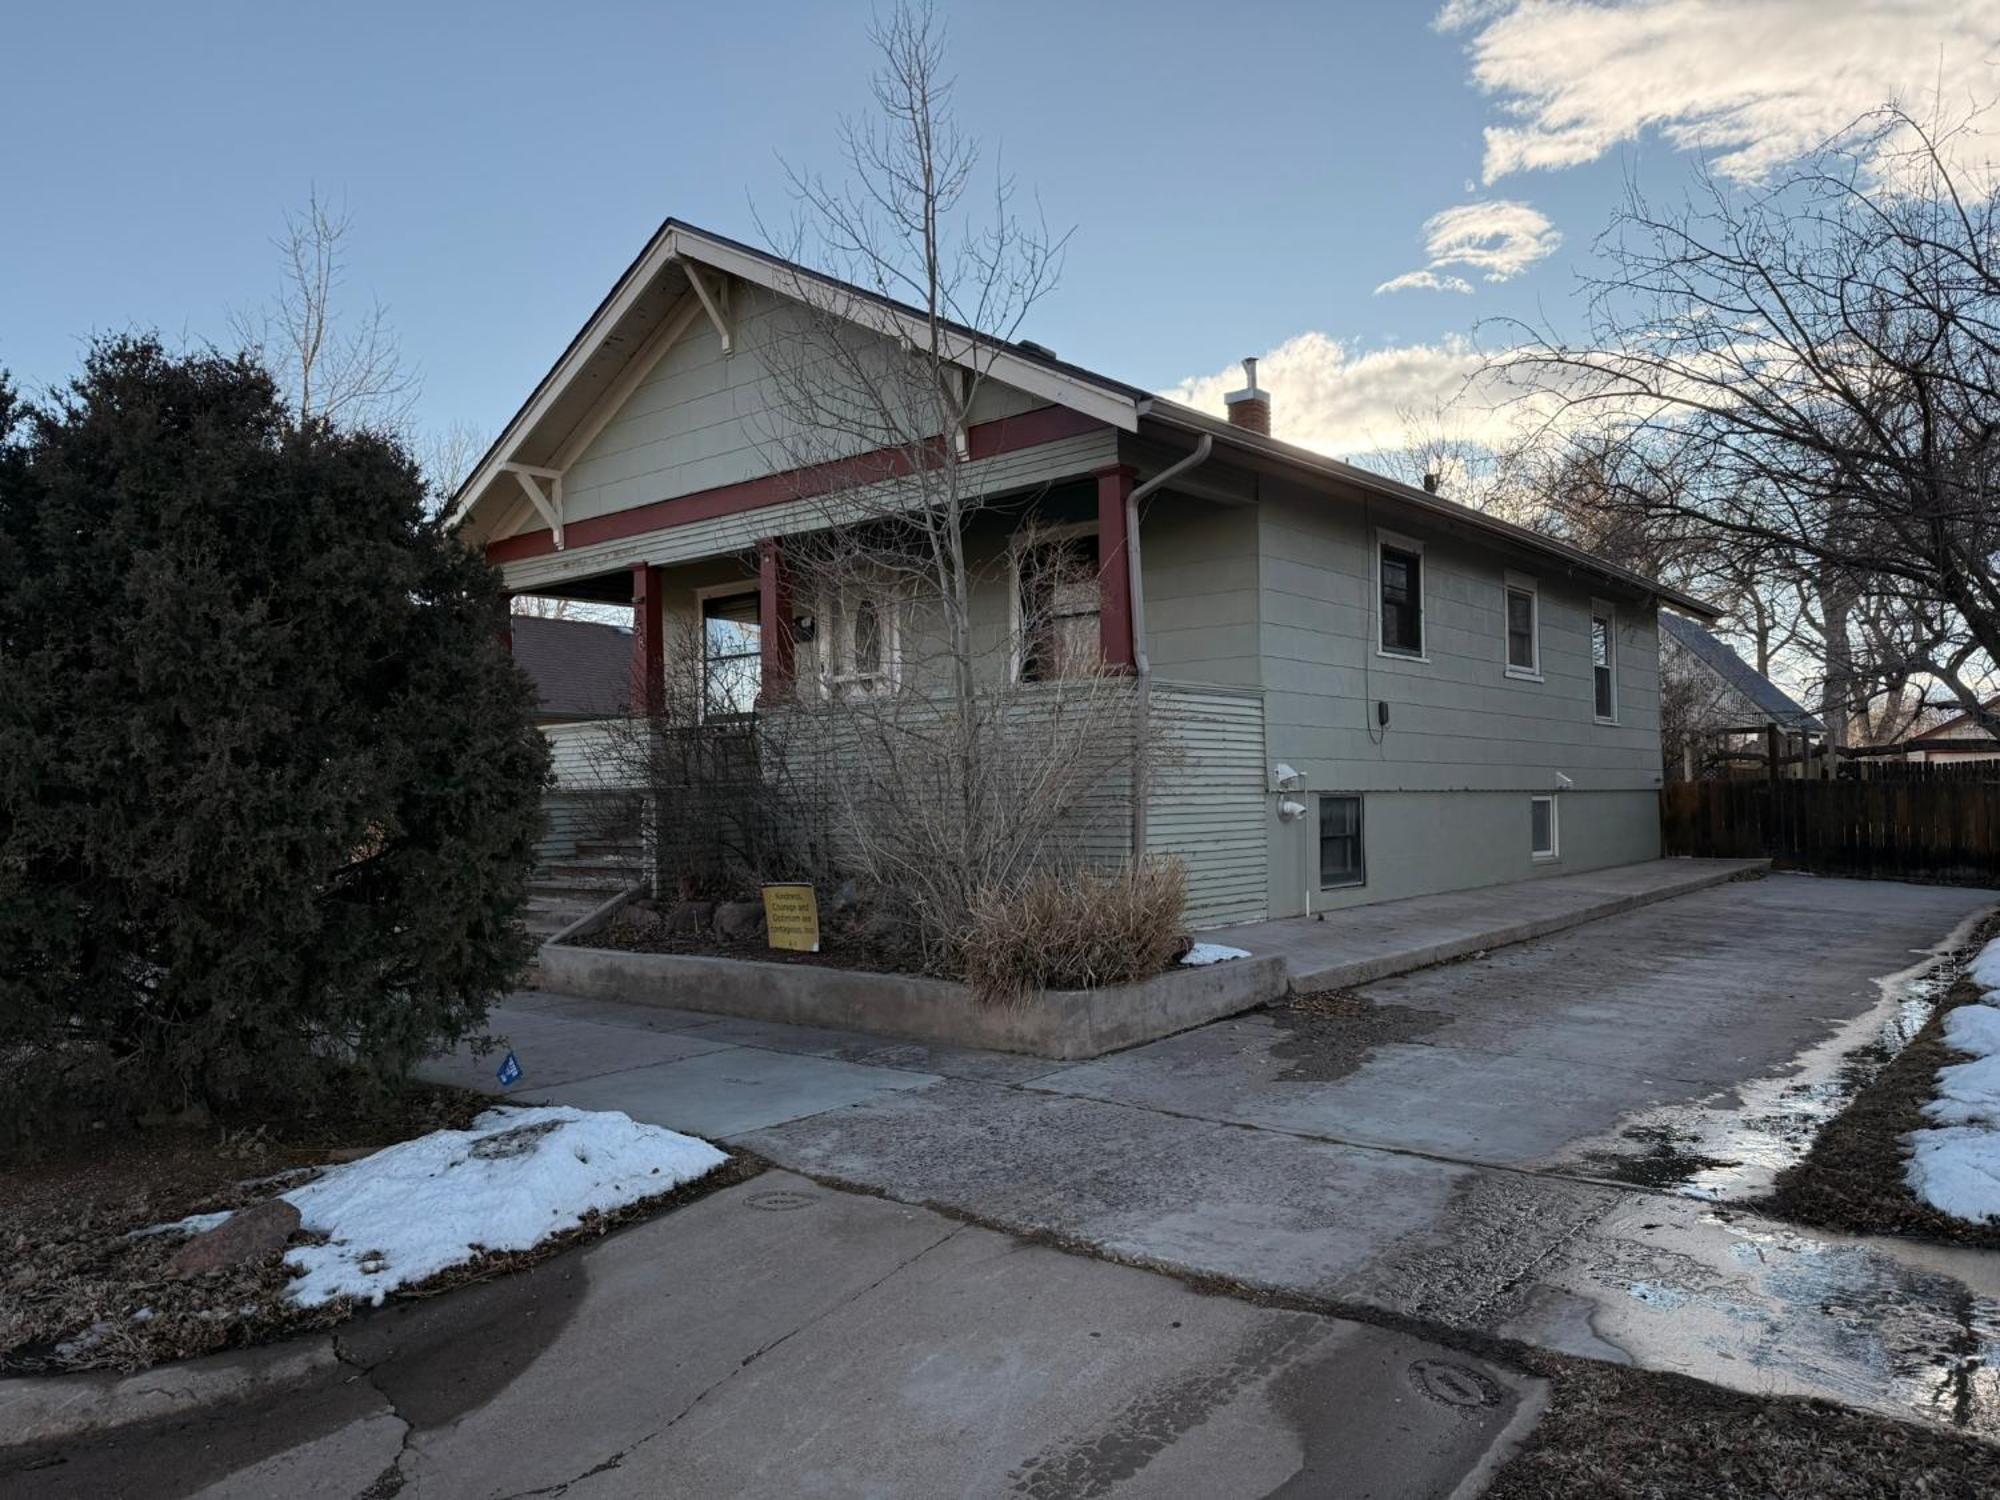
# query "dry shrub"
(1076, 929)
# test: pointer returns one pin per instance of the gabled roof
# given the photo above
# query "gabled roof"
(1770, 700)
(581, 669)
(1959, 726)
(643, 313)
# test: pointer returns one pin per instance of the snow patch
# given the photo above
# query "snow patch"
(518, 1176)
(1210, 953)
(1955, 1164)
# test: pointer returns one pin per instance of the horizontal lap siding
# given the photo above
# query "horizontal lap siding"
(1207, 799)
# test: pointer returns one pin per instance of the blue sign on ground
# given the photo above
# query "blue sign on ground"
(510, 1071)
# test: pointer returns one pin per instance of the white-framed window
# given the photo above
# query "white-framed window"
(858, 641)
(1342, 859)
(1057, 602)
(1399, 596)
(1544, 830)
(1523, 626)
(1603, 662)
(732, 651)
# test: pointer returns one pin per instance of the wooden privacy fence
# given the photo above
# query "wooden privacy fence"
(1946, 829)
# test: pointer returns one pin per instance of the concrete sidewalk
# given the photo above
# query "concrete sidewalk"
(778, 1338)
(1338, 949)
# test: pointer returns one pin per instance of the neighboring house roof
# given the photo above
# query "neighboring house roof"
(1765, 696)
(581, 669)
(631, 326)
(1959, 728)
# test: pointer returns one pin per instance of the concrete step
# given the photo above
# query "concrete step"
(620, 872)
(632, 850)
(558, 887)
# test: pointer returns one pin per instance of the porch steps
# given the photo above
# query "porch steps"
(568, 886)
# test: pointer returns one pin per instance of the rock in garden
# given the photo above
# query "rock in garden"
(739, 921)
(638, 922)
(247, 1235)
(690, 919)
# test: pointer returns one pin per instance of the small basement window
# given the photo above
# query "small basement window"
(1542, 832)
(1400, 575)
(1524, 647)
(1340, 861)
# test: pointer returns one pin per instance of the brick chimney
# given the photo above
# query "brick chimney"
(1250, 407)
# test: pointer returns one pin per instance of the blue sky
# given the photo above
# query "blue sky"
(1239, 178)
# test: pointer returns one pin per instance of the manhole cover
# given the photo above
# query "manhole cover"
(1453, 1384)
(780, 1201)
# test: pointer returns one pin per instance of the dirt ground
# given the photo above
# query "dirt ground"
(1853, 1178)
(1612, 1433)
(79, 1290)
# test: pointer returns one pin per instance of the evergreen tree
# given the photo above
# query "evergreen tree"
(269, 789)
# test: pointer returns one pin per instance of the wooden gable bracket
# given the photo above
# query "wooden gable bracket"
(714, 303)
(549, 502)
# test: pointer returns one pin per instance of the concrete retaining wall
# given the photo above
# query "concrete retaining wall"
(1060, 1024)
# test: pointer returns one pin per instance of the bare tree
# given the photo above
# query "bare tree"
(949, 716)
(334, 366)
(1818, 361)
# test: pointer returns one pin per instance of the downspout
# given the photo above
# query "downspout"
(1136, 591)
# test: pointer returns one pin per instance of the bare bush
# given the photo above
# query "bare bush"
(1075, 929)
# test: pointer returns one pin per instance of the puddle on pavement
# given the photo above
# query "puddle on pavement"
(1330, 1033)
(1733, 1145)
(1902, 1329)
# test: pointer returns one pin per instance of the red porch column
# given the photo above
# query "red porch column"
(774, 618)
(1114, 579)
(649, 666)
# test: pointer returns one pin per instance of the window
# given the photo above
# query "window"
(1400, 577)
(858, 643)
(1524, 645)
(1603, 663)
(1340, 841)
(732, 655)
(1057, 602)
(1542, 827)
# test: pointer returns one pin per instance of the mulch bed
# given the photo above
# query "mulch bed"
(1852, 1179)
(1612, 1433)
(78, 1292)
(839, 948)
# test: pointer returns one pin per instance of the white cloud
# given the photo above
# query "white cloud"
(1332, 397)
(1425, 280)
(1754, 83)
(1499, 238)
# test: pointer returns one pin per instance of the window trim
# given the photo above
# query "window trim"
(1553, 853)
(1603, 609)
(702, 595)
(1019, 543)
(1512, 583)
(1385, 539)
(1360, 839)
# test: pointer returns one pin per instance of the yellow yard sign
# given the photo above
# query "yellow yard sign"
(791, 917)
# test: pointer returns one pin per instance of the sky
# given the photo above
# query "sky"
(1361, 193)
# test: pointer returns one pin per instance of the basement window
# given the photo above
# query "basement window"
(1542, 831)
(1340, 856)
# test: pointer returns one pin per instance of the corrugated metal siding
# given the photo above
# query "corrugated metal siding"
(1207, 798)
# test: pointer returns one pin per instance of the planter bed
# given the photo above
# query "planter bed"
(1062, 1024)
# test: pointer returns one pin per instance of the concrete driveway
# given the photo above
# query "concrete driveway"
(1449, 1150)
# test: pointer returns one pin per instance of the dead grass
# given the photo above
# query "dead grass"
(1076, 930)
(78, 1292)
(1853, 1178)
(1612, 1433)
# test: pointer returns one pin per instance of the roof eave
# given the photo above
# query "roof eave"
(1173, 414)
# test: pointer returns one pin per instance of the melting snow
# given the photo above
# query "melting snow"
(1210, 953)
(514, 1179)
(1955, 1165)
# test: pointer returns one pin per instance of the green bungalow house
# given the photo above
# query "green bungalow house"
(1372, 691)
